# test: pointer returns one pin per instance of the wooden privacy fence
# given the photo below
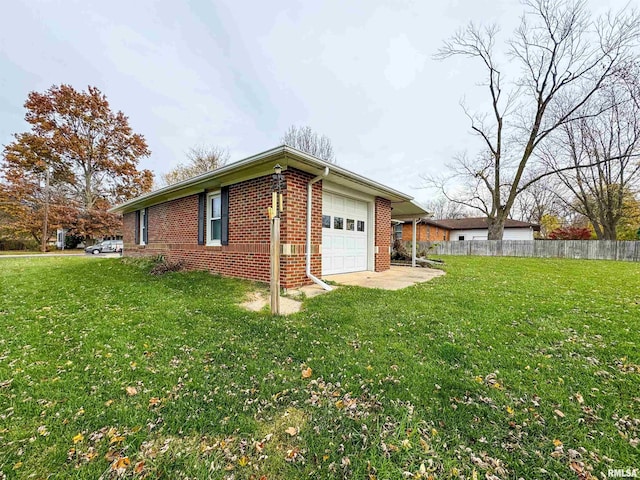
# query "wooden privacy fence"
(628, 251)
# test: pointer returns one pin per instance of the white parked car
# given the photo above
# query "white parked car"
(106, 246)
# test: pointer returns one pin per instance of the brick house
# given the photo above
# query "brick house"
(470, 228)
(426, 231)
(333, 220)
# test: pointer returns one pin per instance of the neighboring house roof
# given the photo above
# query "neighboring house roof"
(476, 223)
(262, 164)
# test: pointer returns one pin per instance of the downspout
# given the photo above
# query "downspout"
(309, 196)
(415, 241)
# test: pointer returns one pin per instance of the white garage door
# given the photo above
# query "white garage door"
(344, 234)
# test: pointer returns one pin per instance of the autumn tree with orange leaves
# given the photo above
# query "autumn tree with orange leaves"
(78, 159)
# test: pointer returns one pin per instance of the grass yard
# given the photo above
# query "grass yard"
(504, 368)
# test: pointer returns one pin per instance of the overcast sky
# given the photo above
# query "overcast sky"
(238, 73)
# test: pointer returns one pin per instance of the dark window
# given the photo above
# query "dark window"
(326, 221)
(338, 223)
(137, 227)
(398, 231)
(144, 226)
(360, 226)
(351, 224)
(460, 237)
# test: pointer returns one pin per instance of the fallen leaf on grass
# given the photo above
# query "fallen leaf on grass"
(111, 455)
(154, 402)
(577, 467)
(116, 439)
(78, 438)
(131, 391)
(121, 465)
(558, 413)
(293, 431)
(292, 454)
(139, 467)
(108, 403)
(557, 442)
(306, 373)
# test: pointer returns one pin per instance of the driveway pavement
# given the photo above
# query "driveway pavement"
(395, 278)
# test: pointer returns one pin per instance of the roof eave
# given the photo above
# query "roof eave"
(292, 158)
(173, 191)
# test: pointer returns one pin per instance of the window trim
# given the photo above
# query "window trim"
(398, 231)
(143, 215)
(209, 242)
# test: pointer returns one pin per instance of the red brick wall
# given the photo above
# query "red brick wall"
(294, 226)
(173, 232)
(383, 234)
(425, 233)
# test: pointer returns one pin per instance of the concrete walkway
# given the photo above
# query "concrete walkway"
(395, 278)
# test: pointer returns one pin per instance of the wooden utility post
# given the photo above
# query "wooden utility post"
(274, 248)
(275, 266)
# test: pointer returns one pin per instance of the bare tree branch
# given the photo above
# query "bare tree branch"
(306, 140)
(566, 57)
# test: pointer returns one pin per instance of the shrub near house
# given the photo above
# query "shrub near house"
(571, 233)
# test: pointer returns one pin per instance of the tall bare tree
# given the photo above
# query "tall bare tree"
(564, 56)
(604, 148)
(200, 159)
(306, 140)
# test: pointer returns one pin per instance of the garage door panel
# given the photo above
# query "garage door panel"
(338, 263)
(349, 262)
(344, 245)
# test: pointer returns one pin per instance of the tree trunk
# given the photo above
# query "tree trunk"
(495, 227)
(609, 232)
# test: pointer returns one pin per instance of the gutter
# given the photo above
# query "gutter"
(295, 156)
(308, 246)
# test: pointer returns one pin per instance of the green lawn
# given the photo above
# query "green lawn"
(70, 251)
(504, 368)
